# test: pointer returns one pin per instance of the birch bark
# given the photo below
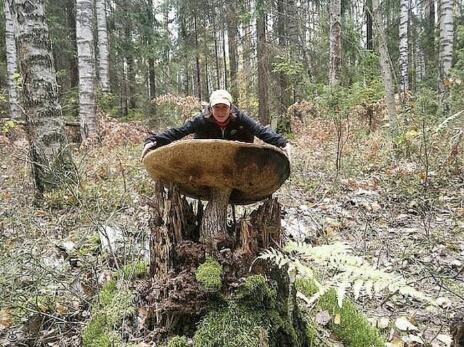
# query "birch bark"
(445, 54)
(404, 45)
(103, 51)
(50, 157)
(11, 64)
(86, 65)
(335, 59)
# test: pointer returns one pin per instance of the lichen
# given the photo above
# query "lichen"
(209, 275)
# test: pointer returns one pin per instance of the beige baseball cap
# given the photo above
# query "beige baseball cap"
(220, 96)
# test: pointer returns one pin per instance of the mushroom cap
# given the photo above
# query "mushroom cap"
(251, 172)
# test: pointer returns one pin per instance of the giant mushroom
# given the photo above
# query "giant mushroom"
(220, 172)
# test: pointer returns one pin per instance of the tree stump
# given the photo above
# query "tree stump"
(175, 299)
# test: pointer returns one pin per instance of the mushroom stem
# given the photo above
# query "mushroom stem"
(214, 224)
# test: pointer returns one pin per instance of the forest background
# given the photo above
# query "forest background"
(369, 92)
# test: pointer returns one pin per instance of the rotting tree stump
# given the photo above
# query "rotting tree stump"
(184, 233)
(174, 298)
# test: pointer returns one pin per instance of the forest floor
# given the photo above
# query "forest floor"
(404, 216)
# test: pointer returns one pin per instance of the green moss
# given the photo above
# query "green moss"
(110, 307)
(95, 334)
(354, 330)
(137, 269)
(178, 341)
(209, 274)
(253, 318)
(306, 286)
(106, 295)
(255, 290)
(231, 326)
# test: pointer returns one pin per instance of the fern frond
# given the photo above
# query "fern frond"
(350, 271)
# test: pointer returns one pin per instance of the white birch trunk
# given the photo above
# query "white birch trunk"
(404, 45)
(419, 55)
(335, 58)
(86, 65)
(50, 155)
(445, 53)
(103, 51)
(11, 64)
(385, 65)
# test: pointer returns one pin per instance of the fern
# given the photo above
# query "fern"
(350, 272)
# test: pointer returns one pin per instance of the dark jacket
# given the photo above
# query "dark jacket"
(240, 128)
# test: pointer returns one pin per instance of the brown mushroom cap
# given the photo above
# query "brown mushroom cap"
(253, 172)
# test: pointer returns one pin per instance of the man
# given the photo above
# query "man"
(220, 120)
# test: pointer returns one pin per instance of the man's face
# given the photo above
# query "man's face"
(221, 112)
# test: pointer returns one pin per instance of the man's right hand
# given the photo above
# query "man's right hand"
(148, 147)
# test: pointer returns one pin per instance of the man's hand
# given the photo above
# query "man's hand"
(288, 151)
(149, 146)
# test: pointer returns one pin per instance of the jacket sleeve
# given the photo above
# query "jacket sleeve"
(263, 133)
(173, 134)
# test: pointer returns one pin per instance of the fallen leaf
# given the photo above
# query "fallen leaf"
(446, 339)
(323, 318)
(413, 338)
(5, 318)
(443, 302)
(337, 319)
(383, 322)
(396, 342)
(403, 324)
(61, 309)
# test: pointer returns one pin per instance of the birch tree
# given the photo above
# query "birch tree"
(11, 64)
(404, 44)
(86, 65)
(335, 59)
(103, 51)
(445, 54)
(50, 156)
(385, 65)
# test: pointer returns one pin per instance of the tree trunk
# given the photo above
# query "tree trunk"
(86, 62)
(335, 59)
(369, 45)
(385, 65)
(51, 160)
(11, 64)
(103, 51)
(263, 65)
(232, 35)
(445, 54)
(404, 45)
